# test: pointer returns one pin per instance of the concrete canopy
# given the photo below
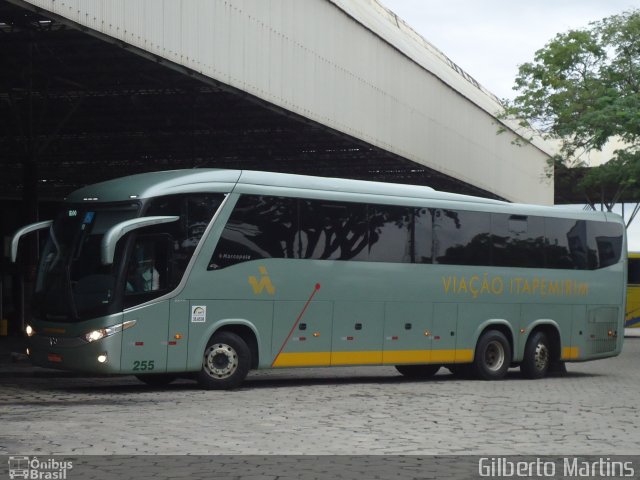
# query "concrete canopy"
(95, 90)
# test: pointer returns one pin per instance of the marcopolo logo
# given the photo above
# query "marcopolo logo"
(36, 469)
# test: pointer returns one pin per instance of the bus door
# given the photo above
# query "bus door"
(148, 277)
(144, 346)
(407, 333)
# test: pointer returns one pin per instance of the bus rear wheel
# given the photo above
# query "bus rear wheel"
(493, 356)
(418, 371)
(537, 357)
(225, 362)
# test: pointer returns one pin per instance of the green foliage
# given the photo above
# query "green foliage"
(613, 181)
(583, 89)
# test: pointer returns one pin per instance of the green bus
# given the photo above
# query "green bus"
(211, 273)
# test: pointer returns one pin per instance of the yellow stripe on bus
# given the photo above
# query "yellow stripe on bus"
(405, 356)
(356, 358)
(390, 357)
(570, 353)
(306, 359)
(427, 356)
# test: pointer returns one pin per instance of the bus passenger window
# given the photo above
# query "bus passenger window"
(391, 232)
(195, 211)
(604, 243)
(460, 237)
(566, 246)
(259, 227)
(333, 230)
(633, 277)
(517, 241)
(422, 235)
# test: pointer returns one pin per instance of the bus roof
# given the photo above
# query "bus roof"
(145, 185)
(152, 184)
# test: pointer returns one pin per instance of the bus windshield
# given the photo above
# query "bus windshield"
(71, 282)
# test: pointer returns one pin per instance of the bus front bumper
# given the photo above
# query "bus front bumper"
(76, 354)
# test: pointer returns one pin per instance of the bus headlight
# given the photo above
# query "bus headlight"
(101, 333)
(29, 331)
(97, 335)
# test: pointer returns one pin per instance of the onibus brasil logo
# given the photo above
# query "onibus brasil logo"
(36, 469)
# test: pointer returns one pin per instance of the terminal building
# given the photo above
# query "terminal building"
(92, 90)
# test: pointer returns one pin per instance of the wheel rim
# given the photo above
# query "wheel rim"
(220, 360)
(541, 358)
(494, 356)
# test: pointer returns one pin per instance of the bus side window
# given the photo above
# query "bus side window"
(517, 241)
(634, 271)
(148, 267)
(604, 243)
(334, 230)
(195, 211)
(259, 227)
(566, 243)
(423, 235)
(391, 234)
(461, 237)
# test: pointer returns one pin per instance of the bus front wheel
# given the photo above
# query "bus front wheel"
(225, 362)
(537, 357)
(493, 356)
(418, 371)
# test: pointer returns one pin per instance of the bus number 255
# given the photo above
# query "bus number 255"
(142, 365)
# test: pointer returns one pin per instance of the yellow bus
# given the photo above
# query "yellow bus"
(632, 312)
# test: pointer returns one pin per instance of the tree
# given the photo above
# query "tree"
(583, 90)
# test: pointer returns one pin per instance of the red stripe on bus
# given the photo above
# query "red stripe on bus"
(304, 309)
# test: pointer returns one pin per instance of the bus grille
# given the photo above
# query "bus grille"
(600, 341)
(602, 330)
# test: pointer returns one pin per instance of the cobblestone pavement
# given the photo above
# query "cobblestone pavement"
(352, 411)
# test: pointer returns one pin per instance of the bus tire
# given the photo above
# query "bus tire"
(225, 362)
(557, 368)
(493, 356)
(157, 380)
(537, 356)
(418, 371)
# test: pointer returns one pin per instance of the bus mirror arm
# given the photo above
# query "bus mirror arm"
(24, 231)
(115, 233)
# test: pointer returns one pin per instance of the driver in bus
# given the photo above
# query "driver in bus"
(142, 275)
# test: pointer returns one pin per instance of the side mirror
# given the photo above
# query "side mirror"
(24, 231)
(119, 230)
